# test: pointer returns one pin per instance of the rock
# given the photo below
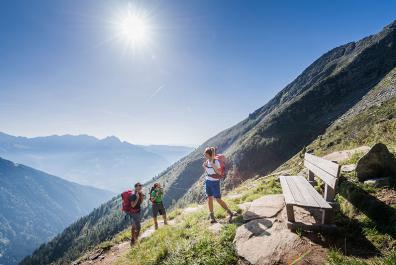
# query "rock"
(345, 154)
(263, 242)
(348, 168)
(244, 206)
(96, 254)
(264, 207)
(381, 182)
(377, 163)
(216, 228)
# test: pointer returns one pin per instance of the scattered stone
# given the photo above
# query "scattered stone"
(348, 168)
(345, 154)
(244, 206)
(264, 207)
(377, 163)
(96, 254)
(216, 228)
(381, 182)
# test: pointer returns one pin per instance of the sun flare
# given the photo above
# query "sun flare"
(133, 28)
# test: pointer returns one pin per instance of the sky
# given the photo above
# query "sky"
(67, 67)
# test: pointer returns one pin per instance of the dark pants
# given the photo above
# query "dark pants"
(158, 208)
(135, 220)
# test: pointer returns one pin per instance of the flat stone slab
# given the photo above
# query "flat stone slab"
(265, 207)
(264, 241)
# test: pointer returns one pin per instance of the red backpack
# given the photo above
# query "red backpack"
(126, 203)
(221, 158)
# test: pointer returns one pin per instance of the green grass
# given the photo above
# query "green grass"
(254, 189)
(189, 242)
(353, 159)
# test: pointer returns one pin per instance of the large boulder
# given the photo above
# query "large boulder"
(265, 241)
(377, 163)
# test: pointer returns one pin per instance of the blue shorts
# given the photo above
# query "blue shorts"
(213, 188)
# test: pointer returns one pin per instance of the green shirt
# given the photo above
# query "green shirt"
(157, 195)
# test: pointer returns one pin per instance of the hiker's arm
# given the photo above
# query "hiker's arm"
(133, 203)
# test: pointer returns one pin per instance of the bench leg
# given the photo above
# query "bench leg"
(327, 216)
(290, 213)
(311, 178)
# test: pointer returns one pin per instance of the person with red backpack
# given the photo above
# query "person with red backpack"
(214, 167)
(131, 205)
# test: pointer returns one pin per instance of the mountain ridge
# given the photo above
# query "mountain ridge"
(104, 163)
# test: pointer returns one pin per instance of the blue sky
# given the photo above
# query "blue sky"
(208, 63)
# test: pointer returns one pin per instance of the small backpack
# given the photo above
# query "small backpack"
(126, 204)
(221, 158)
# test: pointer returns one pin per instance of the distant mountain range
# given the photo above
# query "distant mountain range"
(108, 163)
(35, 206)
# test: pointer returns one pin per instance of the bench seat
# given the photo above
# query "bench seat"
(299, 192)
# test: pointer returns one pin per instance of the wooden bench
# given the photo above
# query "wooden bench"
(298, 191)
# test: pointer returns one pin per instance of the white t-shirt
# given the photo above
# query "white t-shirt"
(210, 171)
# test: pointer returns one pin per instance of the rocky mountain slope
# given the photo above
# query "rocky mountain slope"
(326, 93)
(107, 163)
(327, 89)
(35, 206)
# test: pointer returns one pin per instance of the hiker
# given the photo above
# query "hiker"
(156, 195)
(214, 173)
(135, 199)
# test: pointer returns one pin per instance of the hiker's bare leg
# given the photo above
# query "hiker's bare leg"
(165, 221)
(210, 203)
(223, 204)
(155, 222)
(225, 207)
(133, 236)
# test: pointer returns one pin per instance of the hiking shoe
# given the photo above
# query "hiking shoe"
(231, 215)
(132, 242)
(212, 218)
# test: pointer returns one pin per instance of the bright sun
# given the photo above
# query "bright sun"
(133, 28)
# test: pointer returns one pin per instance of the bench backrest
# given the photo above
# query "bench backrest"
(326, 170)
